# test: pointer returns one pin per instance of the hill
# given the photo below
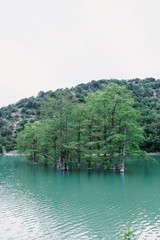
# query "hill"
(146, 95)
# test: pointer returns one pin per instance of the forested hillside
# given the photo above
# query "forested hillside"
(146, 95)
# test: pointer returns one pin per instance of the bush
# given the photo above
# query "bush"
(22, 123)
(127, 234)
(5, 132)
(31, 120)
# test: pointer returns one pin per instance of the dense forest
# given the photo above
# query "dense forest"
(145, 93)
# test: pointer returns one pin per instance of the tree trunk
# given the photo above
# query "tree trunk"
(119, 157)
(35, 156)
(55, 152)
(60, 149)
(90, 148)
(78, 150)
(34, 160)
(64, 168)
(123, 156)
(112, 159)
(105, 137)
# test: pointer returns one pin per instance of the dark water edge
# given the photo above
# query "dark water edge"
(41, 203)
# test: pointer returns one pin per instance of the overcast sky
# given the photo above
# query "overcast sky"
(50, 44)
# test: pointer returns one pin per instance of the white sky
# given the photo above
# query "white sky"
(50, 44)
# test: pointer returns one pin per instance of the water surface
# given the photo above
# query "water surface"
(40, 203)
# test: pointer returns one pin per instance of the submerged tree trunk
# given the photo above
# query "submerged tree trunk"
(89, 161)
(78, 150)
(34, 160)
(123, 156)
(112, 160)
(119, 157)
(112, 157)
(35, 156)
(60, 149)
(45, 155)
(55, 151)
(105, 137)
(65, 167)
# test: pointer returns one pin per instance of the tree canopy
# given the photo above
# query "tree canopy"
(103, 129)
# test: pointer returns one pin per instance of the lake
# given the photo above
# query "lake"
(41, 203)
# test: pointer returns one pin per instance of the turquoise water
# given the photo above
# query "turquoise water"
(40, 203)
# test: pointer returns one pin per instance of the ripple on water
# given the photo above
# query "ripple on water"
(44, 204)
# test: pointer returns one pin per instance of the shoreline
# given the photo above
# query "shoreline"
(153, 153)
(14, 153)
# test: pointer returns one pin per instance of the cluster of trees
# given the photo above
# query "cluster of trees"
(146, 95)
(103, 130)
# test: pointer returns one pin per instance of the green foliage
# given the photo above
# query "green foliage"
(146, 95)
(31, 120)
(5, 131)
(105, 125)
(22, 123)
(127, 234)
